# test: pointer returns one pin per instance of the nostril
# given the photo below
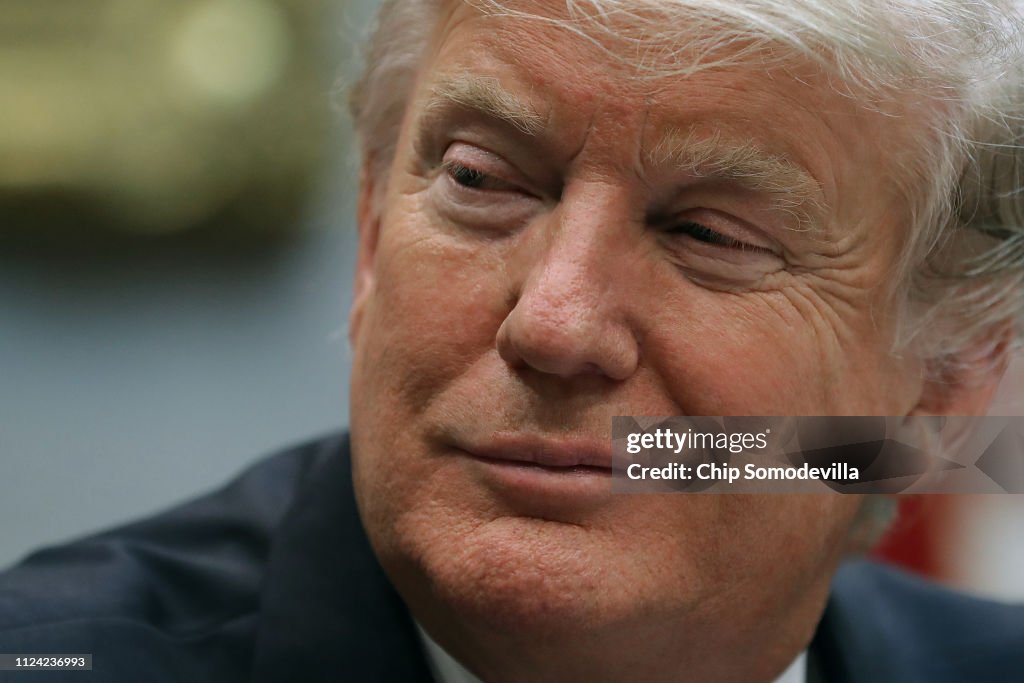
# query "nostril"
(567, 347)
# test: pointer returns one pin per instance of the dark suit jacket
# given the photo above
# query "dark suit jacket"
(272, 579)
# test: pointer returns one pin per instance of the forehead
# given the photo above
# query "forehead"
(592, 59)
(556, 74)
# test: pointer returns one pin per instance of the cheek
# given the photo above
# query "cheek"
(740, 354)
(432, 313)
(786, 352)
(435, 310)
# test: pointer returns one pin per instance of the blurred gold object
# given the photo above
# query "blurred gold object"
(154, 116)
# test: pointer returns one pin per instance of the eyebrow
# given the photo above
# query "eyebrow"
(485, 95)
(744, 163)
(714, 157)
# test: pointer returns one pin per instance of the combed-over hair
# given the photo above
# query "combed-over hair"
(960, 63)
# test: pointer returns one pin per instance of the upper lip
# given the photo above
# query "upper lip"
(545, 451)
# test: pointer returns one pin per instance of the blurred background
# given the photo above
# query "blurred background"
(176, 243)
(176, 247)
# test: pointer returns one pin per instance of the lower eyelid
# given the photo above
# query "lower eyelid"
(755, 249)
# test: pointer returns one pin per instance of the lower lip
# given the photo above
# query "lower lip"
(566, 485)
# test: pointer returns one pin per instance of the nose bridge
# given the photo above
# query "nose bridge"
(570, 272)
(575, 272)
(567, 318)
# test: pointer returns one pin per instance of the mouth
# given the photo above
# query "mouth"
(551, 454)
(545, 471)
(553, 469)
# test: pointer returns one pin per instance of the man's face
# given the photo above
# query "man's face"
(560, 243)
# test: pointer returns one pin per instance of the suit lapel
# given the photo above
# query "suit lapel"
(328, 612)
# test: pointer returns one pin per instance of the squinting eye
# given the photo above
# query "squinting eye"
(467, 177)
(702, 233)
(474, 179)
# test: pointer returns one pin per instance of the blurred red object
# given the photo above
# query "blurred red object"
(917, 539)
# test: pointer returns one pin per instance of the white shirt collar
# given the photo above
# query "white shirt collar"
(446, 670)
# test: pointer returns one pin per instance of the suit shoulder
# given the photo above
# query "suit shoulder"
(903, 601)
(183, 573)
(906, 624)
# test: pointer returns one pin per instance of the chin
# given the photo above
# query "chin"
(524, 578)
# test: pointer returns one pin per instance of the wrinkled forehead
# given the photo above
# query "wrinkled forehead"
(640, 48)
(541, 68)
(863, 50)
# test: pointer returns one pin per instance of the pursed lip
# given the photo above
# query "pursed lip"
(547, 452)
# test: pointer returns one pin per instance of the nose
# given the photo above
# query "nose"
(570, 315)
